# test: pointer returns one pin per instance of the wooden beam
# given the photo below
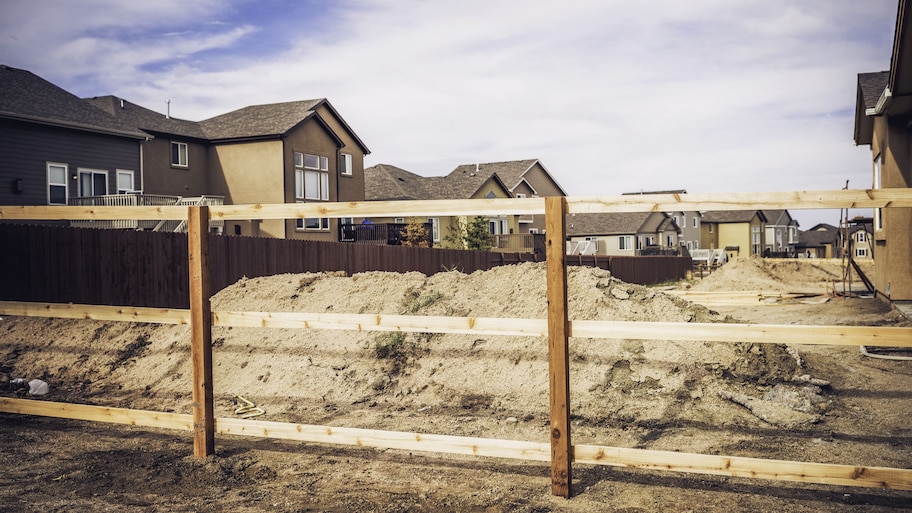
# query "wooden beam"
(872, 336)
(47, 213)
(96, 312)
(777, 470)
(734, 466)
(201, 332)
(797, 200)
(558, 345)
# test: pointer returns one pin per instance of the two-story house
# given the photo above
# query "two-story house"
(738, 232)
(688, 222)
(55, 147)
(622, 233)
(883, 121)
(821, 241)
(781, 233)
(524, 179)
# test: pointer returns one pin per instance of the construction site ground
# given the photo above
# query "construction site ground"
(825, 404)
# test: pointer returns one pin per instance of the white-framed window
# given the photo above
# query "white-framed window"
(309, 161)
(689, 245)
(316, 185)
(57, 184)
(650, 240)
(533, 230)
(625, 243)
(677, 222)
(435, 228)
(593, 243)
(861, 236)
(669, 242)
(683, 221)
(345, 164)
(878, 183)
(520, 195)
(179, 154)
(92, 182)
(311, 177)
(696, 244)
(126, 181)
(755, 239)
(399, 220)
(696, 222)
(793, 234)
(861, 252)
(316, 223)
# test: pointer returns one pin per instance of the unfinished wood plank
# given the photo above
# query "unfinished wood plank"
(201, 332)
(383, 322)
(558, 345)
(794, 200)
(758, 333)
(154, 419)
(57, 213)
(417, 208)
(96, 312)
(446, 444)
(823, 473)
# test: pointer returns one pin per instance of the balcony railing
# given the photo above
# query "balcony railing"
(135, 200)
(380, 233)
(518, 243)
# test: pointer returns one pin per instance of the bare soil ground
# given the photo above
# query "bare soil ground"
(630, 393)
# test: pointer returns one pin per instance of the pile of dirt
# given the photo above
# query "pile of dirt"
(316, 376)
(781, 275)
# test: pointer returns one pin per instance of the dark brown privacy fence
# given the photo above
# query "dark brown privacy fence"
(57, 264)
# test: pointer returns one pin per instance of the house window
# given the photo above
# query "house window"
(533, 231)
(710, 227)
(676, 221)
(346, 164)
(625, 243)
(755, 240)
(179, 157)
(399, 220)
(126, 182)
(57, 184)
(311, 183)
(860, 236)
(861, 252)
(520, 195)
(793, 234)
(92, 183)
(669, 242)
(435, 228)
(695, 222)
(650, 241)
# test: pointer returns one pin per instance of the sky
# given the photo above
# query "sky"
(611, 96)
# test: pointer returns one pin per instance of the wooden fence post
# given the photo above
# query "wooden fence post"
(558, 345)
(201, 332)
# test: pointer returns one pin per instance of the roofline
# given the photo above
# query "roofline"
(521, 180)
(536, 161)
(323, 101)
(139, 135)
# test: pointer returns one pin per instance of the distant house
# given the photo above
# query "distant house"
(859, 238)
(689, 221)
(389, 183)
(524, 179)
(55, 147)
(621, 233)
(738, 232)
(821, 241)
(781, 233)
(883, 111)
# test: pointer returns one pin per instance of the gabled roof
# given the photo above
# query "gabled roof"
(146, 119)
(273, 120)
(28, 97)
(732, 216)
(511, 172)
(384, 182)
(778, 217)
(607, 223)
(817, 236)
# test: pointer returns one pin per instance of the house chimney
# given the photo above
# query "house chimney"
(168, 111)
(121, 103)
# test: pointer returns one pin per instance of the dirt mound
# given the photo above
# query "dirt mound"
(316, 375)
(780, 275)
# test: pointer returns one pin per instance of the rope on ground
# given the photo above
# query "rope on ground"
(248, 410)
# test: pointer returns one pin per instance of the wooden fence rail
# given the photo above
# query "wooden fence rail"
(559, 327)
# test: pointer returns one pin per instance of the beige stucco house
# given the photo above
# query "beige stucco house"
(622, 233)
(883, 121)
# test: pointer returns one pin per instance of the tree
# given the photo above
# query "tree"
(474, 234)
(415, 234)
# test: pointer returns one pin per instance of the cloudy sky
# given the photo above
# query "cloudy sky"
(612, 96)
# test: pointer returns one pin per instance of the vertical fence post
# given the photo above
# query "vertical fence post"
(201, 331)
(558, 345)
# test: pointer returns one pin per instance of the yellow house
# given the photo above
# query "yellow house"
(738, 232)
